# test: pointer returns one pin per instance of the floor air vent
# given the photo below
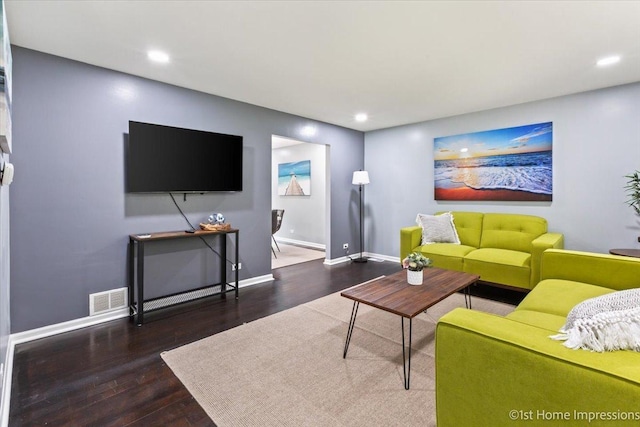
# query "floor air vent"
(103, 302)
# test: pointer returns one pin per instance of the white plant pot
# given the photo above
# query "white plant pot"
(414, 277)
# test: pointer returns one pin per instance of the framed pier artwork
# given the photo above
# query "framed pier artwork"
(294, 179)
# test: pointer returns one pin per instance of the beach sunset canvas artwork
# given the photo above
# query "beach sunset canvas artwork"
(511, 164)
(294, 179)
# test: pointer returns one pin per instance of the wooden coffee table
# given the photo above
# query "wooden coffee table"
(635, 253)
(393, 294)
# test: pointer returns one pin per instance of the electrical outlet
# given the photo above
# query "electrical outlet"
(237, 266)
(345, 246)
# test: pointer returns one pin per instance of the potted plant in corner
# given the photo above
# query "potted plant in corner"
(633, 191)
(414, 263)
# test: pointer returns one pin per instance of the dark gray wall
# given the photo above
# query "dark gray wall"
(69, 210)
(596, 141)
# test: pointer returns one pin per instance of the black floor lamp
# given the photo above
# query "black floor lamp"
(361, 178)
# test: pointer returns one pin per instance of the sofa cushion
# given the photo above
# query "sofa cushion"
(552, 322)
(437, 228)
(445, 255)
(458, 251)
(501, 256)
(500, 266)
(511, 231)
(558, 296)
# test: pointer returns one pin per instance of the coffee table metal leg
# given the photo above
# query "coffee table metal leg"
(406, 368)
(467, 297)
(354, 312)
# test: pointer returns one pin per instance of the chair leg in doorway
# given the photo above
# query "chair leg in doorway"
(274, 241)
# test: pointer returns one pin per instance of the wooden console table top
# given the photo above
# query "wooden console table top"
(177, 234)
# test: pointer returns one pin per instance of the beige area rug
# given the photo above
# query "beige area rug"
(291, 254)
(287, 369)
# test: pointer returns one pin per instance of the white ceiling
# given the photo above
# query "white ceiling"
(400, 62)
(280, 142)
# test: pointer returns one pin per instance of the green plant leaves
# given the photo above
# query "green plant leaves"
(633, 191)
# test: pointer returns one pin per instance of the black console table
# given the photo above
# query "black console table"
(138, 305)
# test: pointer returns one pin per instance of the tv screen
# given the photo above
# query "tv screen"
(170, 159)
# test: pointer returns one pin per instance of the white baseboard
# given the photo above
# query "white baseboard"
(364, 254)
(335, 261)
(383, 257)
(301, 243)
(71, 325)
(255, 280)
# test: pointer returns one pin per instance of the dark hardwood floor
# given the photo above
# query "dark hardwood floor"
(112, 374)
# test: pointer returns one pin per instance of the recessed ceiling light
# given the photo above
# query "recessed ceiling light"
(361, 117)
(158, 56)
(308, 131)
(609, 60)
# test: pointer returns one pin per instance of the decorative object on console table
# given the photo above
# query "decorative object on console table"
(216, 218)
(215, 222)
(414, 263)
(360, 178)
(215, 227)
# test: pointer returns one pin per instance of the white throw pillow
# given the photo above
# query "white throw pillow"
(437, 228)
(605, 323)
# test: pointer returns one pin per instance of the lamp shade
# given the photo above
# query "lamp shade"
(360, 178)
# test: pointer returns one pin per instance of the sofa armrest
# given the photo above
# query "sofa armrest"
(538, 246)
(491, 366)
(410, 238)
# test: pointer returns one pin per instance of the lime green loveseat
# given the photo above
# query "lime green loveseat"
(499, 371)
(502, 248)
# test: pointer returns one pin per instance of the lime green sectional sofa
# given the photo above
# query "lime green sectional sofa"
(503, 249)
(498, 371)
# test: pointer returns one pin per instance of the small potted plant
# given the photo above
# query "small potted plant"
(414, 263)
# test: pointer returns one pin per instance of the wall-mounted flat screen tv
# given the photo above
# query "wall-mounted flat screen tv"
(163, 159)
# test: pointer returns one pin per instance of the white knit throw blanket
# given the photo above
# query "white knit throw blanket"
(606, 323)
